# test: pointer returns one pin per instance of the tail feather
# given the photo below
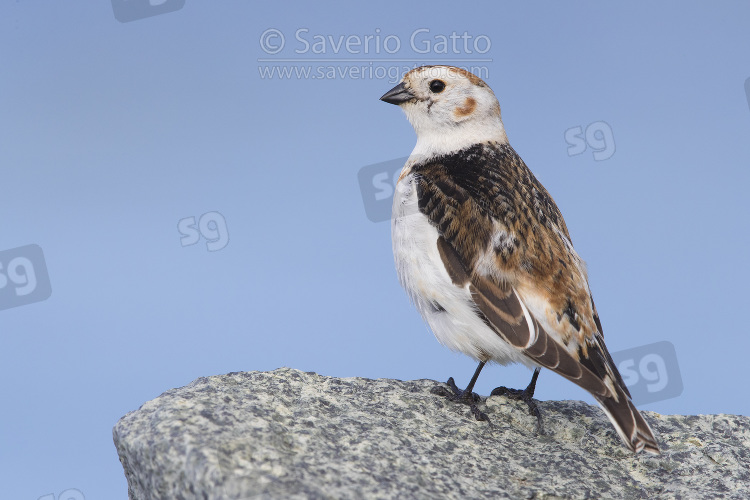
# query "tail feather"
(629, 423)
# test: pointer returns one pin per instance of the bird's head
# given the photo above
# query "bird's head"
(448, 107)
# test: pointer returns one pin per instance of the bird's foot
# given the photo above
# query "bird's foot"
(465, 397)
(527, 396)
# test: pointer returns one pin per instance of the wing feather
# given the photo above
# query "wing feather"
(467, 198)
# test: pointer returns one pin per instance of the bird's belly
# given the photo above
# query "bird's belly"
(448, 309)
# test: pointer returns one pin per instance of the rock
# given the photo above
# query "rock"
(289, 434)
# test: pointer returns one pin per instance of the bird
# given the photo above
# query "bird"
(485, 255)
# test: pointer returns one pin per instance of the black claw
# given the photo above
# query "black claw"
(527, 396)
(464, 397)
(452, 384)
(479, 414)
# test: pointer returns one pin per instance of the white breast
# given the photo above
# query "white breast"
(448, 309)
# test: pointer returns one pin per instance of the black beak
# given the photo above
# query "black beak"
(397, 95)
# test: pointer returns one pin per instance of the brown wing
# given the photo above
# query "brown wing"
(502, 235)
(484, 200)
(504, 312)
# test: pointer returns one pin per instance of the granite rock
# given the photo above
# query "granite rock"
(290, 434)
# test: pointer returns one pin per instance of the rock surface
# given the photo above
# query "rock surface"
(290, 434)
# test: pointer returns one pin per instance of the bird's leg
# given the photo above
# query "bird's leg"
(526, 395)
(466, 396)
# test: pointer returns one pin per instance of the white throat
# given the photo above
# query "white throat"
(434, 141)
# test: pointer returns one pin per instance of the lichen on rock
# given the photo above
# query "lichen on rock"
(291, 434)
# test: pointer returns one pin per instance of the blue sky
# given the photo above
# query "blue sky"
(121, 142)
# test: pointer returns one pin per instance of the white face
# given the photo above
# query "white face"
(449, 108)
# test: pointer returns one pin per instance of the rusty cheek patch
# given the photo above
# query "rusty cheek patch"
(468, 108)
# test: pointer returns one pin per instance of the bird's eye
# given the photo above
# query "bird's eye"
(437, 86)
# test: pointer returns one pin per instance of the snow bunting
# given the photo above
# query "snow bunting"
(484, 252)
